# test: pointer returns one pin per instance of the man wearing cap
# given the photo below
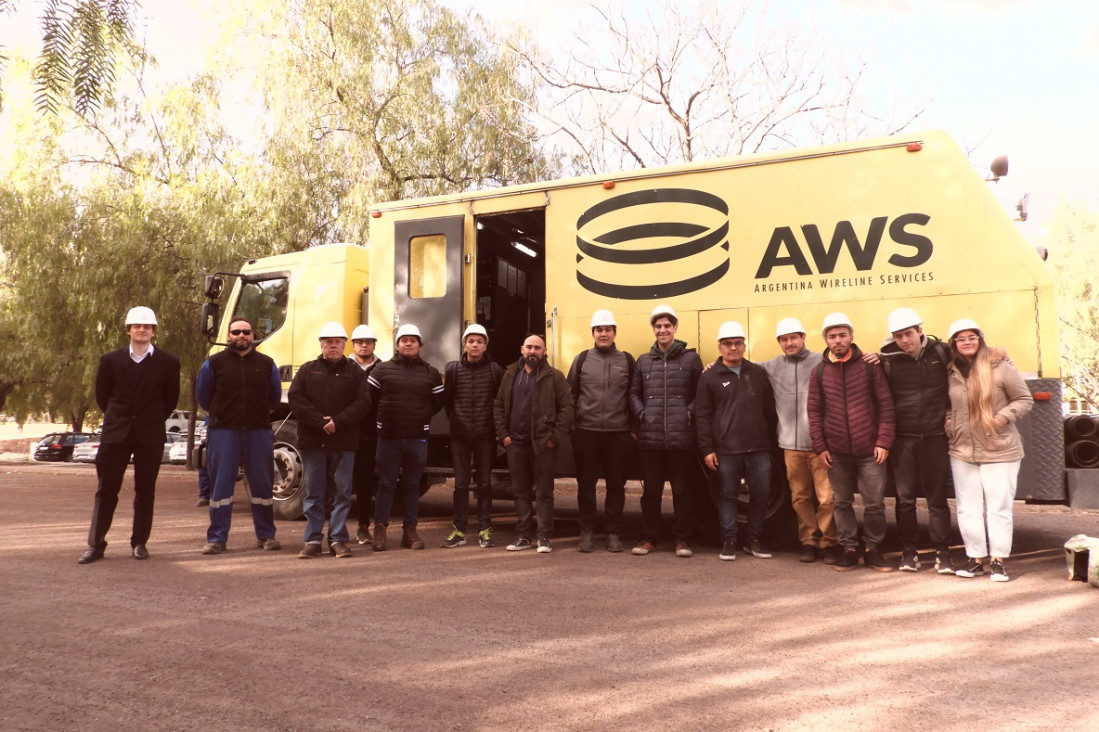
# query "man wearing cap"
(469, 391)
(810, 491)
(329, 397)
(736, 422)
(364, 480)
(533, 412)
(851, 426)
(662, 394)
(137, 388)
(239, 388)
(601, 441)
(915, 367)
(408, 391)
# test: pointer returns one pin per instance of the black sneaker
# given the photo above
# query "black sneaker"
(972, 568)
(544, 546)
(874, 560)
(755, 548)
(910, 561)
(831, 555)
(808, 554)
(520, 545)
(728, 551)
(484, 538)
(847, 561)
(998, 573)
(944, 563)
(456, 538)
(363, 534)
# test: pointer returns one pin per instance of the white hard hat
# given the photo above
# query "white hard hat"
(963, 324)
(603, 317)
(475, 329)
(831, 320)
(141, 315)
(408, 329)
(730, 329)
(661, 310)
(363, 333)
(332, 329)
(903, 318)
(786, 326)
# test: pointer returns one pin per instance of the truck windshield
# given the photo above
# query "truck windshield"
(263, 303)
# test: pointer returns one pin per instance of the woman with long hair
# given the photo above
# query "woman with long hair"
(987, 397)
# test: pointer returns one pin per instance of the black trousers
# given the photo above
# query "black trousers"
(365, 479)
(110, 466)
(920, 465)
(601, 454)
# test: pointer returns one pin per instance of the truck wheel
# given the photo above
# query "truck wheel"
(288, 492)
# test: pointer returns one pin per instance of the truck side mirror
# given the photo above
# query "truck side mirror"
(211, 315)
(213, 286)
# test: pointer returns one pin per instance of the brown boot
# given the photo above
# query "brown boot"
(411, 539)
(379, 537)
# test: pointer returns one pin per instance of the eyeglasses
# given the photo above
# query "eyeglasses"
(240, 332)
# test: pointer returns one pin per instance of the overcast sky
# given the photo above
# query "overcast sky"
(1003, 76)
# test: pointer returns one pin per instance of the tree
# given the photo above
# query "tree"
(390, 99)
(693, 82)
(1073, 245)
(81, 40)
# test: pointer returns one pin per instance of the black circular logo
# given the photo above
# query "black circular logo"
(652, 245)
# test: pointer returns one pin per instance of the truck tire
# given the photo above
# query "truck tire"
(288, 491)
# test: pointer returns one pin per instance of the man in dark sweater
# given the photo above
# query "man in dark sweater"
(239, 388)
(329, 397)
(408, 391)
(851, 426)
(137, 388)
(533, 412)
(736, 420)
(469, 392)
(915, 367)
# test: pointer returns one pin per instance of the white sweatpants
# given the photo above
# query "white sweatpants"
(984, 493)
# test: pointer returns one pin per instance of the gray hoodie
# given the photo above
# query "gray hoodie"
(790, 381)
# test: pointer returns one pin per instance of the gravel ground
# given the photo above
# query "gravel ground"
(484, 639)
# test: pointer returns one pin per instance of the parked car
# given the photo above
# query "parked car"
(170, 441)
(179, 422)
(58, 446)
(85, 452)
(177, 455)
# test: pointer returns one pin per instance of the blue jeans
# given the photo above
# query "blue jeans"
(228, 450)
(755, 469)
(399, 459)
(325, 469)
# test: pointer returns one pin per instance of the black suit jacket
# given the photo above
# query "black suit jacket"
(136, 397)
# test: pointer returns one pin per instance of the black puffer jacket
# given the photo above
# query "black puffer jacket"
(662, 394)
(322, 389)
(408, 393)
(919, 387)
(469, 391)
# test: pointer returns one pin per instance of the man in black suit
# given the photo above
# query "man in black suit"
(137, 388)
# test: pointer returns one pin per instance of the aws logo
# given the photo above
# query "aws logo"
(653, 244)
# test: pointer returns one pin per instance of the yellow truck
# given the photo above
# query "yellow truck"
(860, 227)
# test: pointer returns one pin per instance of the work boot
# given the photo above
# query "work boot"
(410, 539)
(587, 541)
(379, 537)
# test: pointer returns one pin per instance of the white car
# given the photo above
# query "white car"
(178, 422)
(177, 453)
(85, 452)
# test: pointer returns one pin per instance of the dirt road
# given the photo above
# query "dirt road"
(489, 640)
